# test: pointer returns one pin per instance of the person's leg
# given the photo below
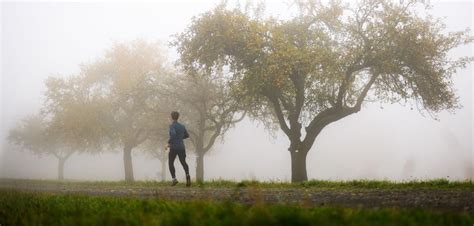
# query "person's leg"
(171, 157)
(182, 159)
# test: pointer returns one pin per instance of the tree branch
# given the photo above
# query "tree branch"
(367, 87)
(279, 114)
(322, 120)
(299, 84)
(211, 142)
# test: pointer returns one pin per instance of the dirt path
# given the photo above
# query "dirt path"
(442, 199)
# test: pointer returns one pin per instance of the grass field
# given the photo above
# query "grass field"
(363, 202)
(25, 208)
(354, 184)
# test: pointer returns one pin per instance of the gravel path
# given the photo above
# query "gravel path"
(441, 199)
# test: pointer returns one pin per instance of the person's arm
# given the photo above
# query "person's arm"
(172, 133)
(186, 134)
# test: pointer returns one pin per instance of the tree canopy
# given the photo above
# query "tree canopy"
(126, 78)
(321, 65)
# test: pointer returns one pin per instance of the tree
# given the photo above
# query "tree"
(156, 149)
(69, 122)
(207, 109)
(322, 65)
(125, 77)
(76, 113)
(155, 145)
(33, 134)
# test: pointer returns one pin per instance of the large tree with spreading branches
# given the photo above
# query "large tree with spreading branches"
(126, 78)
(323, 64)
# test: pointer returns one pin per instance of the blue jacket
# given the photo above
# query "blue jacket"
(177, 133)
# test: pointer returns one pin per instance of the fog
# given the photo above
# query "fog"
(380, 142)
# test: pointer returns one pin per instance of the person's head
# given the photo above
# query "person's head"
(174, 115)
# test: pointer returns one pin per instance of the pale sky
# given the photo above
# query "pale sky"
(39, 39)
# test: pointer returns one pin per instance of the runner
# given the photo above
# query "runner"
(176, 148)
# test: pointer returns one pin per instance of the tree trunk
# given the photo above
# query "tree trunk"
(127, 163)
(163, 170)
(298, 166)
(61, 162)
(200, 167)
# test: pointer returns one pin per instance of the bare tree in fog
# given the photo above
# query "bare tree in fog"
(69, 122)
(155, 149)
(320, 66)
(33, 134)
(409, 168)
(207, 109)
(155, 145)
(126, 77)
(75, 113)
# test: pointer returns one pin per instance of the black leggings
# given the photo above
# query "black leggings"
(182, 158)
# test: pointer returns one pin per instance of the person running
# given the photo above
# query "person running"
(176, 147)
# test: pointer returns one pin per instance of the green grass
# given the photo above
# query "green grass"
(355, 184)
(23, 208)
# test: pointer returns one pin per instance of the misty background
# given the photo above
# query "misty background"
(396, 143)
